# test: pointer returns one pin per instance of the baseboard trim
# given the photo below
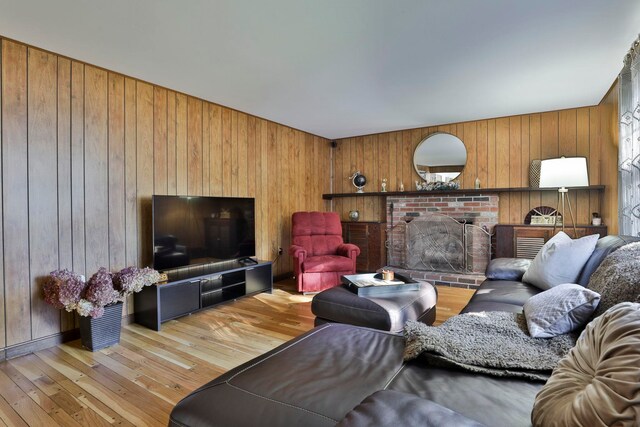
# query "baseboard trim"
(39, 344)
(32, 346)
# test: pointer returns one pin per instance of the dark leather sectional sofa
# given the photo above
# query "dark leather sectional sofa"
(319, 378)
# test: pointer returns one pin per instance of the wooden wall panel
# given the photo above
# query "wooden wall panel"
(499, 152)
(130, 172)
(194, 147)
(144, 168)
(77, 167)
(2, 299)
(65, 242)
(15, 193)
(84, 149)
(43, 185)
(605, 147)
(96, 172)
(116, 173)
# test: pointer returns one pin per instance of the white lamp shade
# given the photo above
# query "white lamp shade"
(564, 172)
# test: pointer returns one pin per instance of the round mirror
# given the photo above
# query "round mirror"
(440, 157)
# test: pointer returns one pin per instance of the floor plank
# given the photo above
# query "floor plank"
(138, 381)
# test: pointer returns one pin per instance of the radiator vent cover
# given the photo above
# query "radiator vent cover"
(528, 247)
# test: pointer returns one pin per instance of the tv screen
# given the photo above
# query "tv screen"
(201, 230)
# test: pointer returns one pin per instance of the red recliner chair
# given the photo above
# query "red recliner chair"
(319, 254)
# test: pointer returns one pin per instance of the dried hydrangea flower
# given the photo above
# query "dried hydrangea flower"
(132, 279)
(100, 289)
(63, 289)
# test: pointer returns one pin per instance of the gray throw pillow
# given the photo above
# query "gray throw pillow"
(559, 310)
(560, 260)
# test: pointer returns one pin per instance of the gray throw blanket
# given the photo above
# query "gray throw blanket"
(494, 343)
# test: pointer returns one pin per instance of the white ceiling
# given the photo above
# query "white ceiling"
(340, 68)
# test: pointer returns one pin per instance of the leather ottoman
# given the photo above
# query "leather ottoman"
(388, 312)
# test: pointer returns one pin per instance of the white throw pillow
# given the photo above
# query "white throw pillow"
(560, 261)
(560, 310)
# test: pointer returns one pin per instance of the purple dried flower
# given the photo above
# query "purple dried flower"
(132, 279)
(63, 289)
(87, 308)
(100, 290)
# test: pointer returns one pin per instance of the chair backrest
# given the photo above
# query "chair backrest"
(320, 233)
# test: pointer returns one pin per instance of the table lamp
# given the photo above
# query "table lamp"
(561, 173)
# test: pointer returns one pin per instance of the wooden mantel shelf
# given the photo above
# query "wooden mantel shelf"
(331, 196)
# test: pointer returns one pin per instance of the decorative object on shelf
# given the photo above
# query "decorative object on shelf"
(358, 180)
(354, 215)
(98, 301)
(543, 215)
(401, 186)
(476, 184)
(596, 219)
(440, 157)
(437, 186)
(564, 172)
(383, 188)
(534, 174)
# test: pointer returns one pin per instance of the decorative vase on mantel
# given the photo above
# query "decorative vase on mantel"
(102, 332)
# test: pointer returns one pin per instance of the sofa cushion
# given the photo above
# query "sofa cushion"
(393, 409)
(493, 401)
(597, 384)
(617, 279)
(322, 263)
(500, 295)
(313, 380)
(507, 268)
(560, 260)
(559, 310)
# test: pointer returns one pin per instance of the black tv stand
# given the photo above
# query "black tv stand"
(246, 261)
(198, 288)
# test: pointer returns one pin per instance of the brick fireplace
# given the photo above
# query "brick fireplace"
(477, 209)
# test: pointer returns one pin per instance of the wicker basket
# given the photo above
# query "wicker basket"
(534, 174)
(104, 331)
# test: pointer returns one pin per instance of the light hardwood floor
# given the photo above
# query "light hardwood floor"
(138, 381)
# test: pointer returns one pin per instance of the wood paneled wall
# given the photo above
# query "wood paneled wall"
(83, 150)
(499, 152)
(609, 155)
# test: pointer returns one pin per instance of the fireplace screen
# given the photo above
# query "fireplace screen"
(439, 243)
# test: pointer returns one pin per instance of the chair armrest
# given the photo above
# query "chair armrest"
(349, 250)
(298, 252)
(507, 268)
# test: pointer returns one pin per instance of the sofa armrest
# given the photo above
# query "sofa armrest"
(393, 408)
(507, 268)
(349, 250)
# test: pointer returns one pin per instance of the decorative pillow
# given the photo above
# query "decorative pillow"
(507, 268)
(596, 384)
(560, 260)
(559, 310)
(617, 279)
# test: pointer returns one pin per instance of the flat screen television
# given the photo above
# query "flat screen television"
(202, 230)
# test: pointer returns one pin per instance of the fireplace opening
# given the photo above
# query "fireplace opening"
(437, 242)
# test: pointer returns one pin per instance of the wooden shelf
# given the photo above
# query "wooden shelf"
(331, 196)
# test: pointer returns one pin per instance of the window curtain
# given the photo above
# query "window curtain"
(629, 144)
